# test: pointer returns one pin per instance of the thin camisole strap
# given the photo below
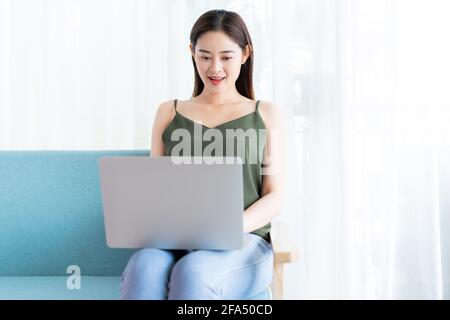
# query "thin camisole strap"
(175, 104)
(257, 104)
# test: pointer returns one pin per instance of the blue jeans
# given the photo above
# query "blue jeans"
(200, 274)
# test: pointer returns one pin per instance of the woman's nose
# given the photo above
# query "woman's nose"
(216, 65)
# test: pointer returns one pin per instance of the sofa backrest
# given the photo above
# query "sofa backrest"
(51, 214)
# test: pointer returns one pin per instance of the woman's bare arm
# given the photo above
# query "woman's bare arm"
(269, 205)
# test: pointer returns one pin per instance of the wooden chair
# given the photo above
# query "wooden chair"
(285, 251)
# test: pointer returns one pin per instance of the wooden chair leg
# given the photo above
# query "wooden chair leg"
(284, 252)
(277, 282)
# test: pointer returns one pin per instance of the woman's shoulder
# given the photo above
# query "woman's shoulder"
(267, 106)
(270, 113)
(165, 111)
(166, 106)
(164, 115)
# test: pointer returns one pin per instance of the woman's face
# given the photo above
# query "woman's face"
(218, 60)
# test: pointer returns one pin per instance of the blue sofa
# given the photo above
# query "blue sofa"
(50, 219)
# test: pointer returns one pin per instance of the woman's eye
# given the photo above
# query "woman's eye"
(207, 58)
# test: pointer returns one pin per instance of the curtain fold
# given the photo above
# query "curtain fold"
(374, 147)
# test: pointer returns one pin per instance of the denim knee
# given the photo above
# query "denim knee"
(150, 260)
(189, 279)
(146, 274)
(233, 274)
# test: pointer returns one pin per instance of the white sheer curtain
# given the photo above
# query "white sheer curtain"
(362, 85)
(375, 138)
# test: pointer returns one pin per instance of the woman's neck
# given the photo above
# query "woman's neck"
(218, 99)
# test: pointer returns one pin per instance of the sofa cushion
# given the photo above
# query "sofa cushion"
(55, 288)
(51, 214)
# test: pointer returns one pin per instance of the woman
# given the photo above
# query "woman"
(223, 100)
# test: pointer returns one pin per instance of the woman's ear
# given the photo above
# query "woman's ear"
(246, 53)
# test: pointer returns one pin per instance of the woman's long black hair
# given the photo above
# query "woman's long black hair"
(234, 27)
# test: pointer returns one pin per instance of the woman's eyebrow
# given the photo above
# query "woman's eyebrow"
(225, 51)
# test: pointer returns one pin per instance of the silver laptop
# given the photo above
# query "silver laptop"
(172, 202)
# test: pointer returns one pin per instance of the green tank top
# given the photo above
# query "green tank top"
(252, 157)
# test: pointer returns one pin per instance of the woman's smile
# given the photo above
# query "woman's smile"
(216, 81)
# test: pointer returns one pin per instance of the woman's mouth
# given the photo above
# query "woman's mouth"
(216, 81)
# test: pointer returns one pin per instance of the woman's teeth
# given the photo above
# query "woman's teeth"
(216, 81)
